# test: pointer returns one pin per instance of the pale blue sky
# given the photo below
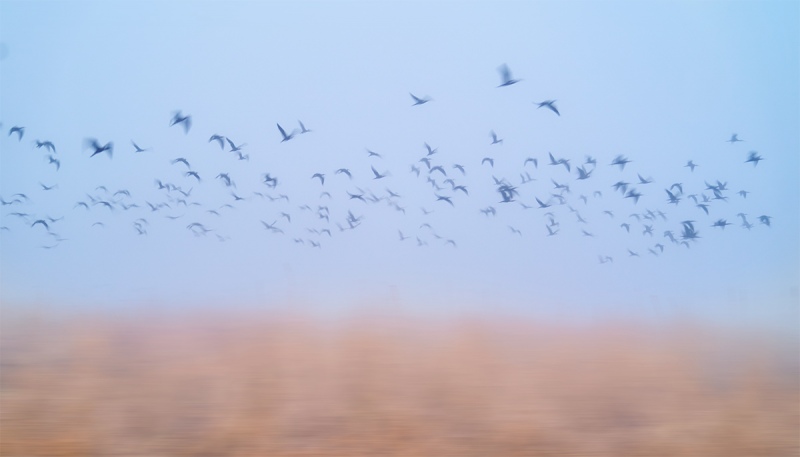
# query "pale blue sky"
(660, 83)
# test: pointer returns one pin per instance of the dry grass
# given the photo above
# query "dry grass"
(280, 385)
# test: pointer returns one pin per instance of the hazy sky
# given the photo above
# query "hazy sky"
(658, 83)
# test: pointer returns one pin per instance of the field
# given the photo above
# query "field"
(284, 384)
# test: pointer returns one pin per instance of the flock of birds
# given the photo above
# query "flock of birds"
(576, 201)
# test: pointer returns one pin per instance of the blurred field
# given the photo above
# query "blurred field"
(277, 384)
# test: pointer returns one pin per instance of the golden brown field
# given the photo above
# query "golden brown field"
(278, 384)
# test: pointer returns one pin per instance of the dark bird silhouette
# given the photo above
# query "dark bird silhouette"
(219, 139)
(94, 144)
(19, 130)
(137, 148)
(753, 157)
(320, 176)
(378, 175)
(534, 161)
(734, 139)
(344, 171)
(621, 161)
(284, 135)
(691, 165)
(233, 146)
(505, 76)
(42, 222)
(549, 104)
(177, 118)
(443, 198)
(303, 128)
(193, 174)
(181, 160)
(46, 144)
(489, 160)
(54, 161)
(431, 151)
(373, 154)
(495, 140)
(419, 101)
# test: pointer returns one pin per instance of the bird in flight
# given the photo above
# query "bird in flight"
(47, 144)
(136, 146)
(378, 175)
(219, 139)
(373, 154)
(177, 118)
(734, 139)
(488, 159)
(505, 76)
(93, 143)
(549, 104)
(691, 165)
(419, 101)
(753, 157)
(495, 140)
(621, 161)
(55, 161)
(320, 176)
(20, 131)
(303, 128)
(285, 136)
(182, 160)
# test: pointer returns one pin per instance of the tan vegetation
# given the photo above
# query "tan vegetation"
(206, 384)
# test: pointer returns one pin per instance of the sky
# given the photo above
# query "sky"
(657, 83)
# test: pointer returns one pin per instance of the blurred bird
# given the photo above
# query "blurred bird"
(419, 101)
(548, 104)
(505, 76)
(177, 118)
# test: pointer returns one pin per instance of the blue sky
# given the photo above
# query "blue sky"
(659, 83)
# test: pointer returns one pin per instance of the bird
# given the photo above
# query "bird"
(136, 146)
(219, 139)
(42, 222)
(303, 128)
(181, 160)
(443, 198)
(46, 144)
(177, 118)
(541, 203)
(532, 160)
(766, 220)
(431, 151)
(193, 174)
(320, 176)
(19, 130)
(54, 161)
(460, 168)
(495, 140)
(753, 157)
(691, 165)
(344, 171)
(621, 161)
(93, 143)
(734, 139)
(235, 148)
(284, 135)
(489, 160)
(419, 101)
(505, 76)
(548, 104)
(378, 175)
(373, 154)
